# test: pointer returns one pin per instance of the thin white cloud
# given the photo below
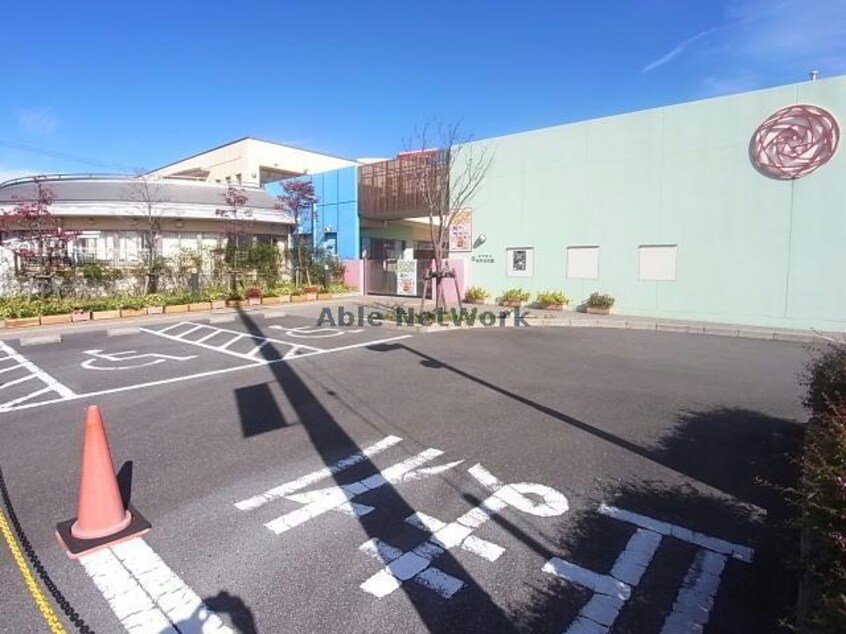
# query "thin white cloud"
(37, 121)
(762, 42)
(680, 48)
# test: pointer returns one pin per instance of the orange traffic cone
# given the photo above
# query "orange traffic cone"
(101, 518)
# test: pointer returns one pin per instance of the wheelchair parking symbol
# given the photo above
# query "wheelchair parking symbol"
(106, 360)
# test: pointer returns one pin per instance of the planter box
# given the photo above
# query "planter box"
(296, 299)
(474, 301)
(322, 296)
(105, 314)
(553, 306)
(155, 310)
(198, 306)
(594, 310)
(284, 299)
(236, 303)
(218, 303)
(52, 320)
(22, 322)
(80, 315)
(176, 308)
(253, 301)
(512, 303)
(271, 300)
(133, 312)
(310, 297)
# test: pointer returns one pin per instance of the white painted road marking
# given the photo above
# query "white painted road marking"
(146, 596)
(307, 332)
(211, 331)
(695, 598)
(316, 476)
(128, 355)
(743, 553)
(338, 497)
(50, 384)
(19, 404)
(416, 563)
(610, 591)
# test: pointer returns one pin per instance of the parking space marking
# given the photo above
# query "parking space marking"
(20, 404)
(50, 384)
(146, 596)
(211, 331)
(695, 598)
(310, 332)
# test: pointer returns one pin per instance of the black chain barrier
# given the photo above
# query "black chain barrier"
(54, 591)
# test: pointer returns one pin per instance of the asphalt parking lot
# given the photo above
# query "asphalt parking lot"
(491, 480)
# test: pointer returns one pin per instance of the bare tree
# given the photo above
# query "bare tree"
(447, 168)
(148, 192)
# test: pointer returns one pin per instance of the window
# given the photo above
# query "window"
(520, 262)
(658, 262)
(583, 262)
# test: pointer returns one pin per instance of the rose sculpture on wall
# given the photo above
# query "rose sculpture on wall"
(794, 142)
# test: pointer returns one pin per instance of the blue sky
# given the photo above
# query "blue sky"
(97, 86)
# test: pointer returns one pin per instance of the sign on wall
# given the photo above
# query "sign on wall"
(794, 142)
(461, 231)
(406, 277)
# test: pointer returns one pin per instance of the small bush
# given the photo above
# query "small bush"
(515, 295)
(550, 298)
(475, 294)
(600, 300)
(825, 379)
(253, 293)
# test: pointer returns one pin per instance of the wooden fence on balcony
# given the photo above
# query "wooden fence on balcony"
(394, 189)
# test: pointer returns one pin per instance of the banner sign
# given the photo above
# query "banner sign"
(461, 231)
(406, 277)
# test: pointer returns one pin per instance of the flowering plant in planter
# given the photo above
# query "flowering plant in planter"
(552, 299)
(253, 295)
(514, 297)
(475, 295)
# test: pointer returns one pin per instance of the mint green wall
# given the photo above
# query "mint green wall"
(751, 250)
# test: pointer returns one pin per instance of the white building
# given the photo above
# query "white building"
(253, 162)
(110, 215)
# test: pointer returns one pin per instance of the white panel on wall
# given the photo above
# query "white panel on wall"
(520, 262)
(658, 262)
(583, 262)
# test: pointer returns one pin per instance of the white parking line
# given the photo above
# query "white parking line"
(146, 596)
(254, 363)
(51, 384)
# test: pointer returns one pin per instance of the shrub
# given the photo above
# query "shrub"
(515, 295)
(600, 300)
(55, 306)
(253, 293)
(822, 501)
(153, 299)
(825, 379)
(19, 307)
(310, 289)
(475, 294)
(550, 298)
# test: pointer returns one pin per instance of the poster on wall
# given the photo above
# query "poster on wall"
(461, 231)
(406, 277)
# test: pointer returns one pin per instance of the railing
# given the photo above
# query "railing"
(396, 188)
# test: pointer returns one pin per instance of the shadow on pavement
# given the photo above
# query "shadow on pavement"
(331, 441)
(258, 410)
(744, 455)
(240, 616)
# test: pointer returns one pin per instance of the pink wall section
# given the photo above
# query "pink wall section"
(354, 274)
(461, 273)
